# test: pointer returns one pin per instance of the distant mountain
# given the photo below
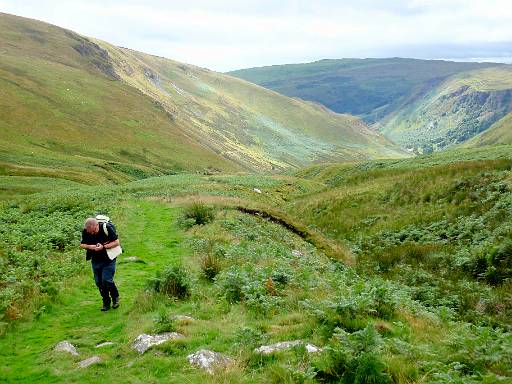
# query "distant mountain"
(82, 109)
(369, 88)
(420, 104)
(453, 112)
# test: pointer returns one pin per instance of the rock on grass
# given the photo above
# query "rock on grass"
(90, 361)
(283, 345)
(209, 360)
(144, 341)
(66, 346)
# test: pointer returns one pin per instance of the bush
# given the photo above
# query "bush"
(196, 213)
(353, 358)
(249, 337)
(163, 322)
(211, 264)
(499, 262)
(238, 286)
(173, 282)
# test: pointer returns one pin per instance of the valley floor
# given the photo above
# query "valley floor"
(398, 270)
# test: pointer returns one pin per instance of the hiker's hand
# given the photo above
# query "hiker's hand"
(98, 247)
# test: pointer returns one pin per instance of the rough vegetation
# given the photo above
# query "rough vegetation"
(426, 298)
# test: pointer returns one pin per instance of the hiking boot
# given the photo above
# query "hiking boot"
(115, 303)
(105, 307)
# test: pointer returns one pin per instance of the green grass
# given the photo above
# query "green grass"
(422, 300)
(147, 230)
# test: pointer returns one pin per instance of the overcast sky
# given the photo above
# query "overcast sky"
(230, 34)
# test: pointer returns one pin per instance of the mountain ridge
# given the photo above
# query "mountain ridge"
(191, 118)
(397, 95)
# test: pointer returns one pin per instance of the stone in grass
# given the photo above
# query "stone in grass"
(106, 343)
(283, 345)
(183, 319)
(209, 360)
(66, 346)
(132, 259)
(297, 253)
(143, 342)
(90, 361)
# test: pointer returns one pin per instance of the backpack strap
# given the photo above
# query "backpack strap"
(105, 229)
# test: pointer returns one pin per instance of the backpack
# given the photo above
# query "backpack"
(103, 221)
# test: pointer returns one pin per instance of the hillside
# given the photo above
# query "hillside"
(453, 112)
(83, 110)
(389, 271)
(498, 133)
(369, 88)
(422, 105)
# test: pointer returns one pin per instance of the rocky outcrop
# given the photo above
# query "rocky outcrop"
(144, 341)
(209, 360)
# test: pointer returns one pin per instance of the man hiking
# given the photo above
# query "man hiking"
(96, 239)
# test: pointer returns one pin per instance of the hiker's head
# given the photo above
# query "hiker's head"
(91, 225)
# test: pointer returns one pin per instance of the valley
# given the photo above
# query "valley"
(343, 221)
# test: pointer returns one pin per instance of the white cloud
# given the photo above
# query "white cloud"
(231, 34)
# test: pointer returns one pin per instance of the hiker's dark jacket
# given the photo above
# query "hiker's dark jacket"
(101, 238)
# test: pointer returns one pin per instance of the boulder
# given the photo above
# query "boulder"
(143, 342)
(90, 361)
(209, 360)
(66, 346)
(283, 345)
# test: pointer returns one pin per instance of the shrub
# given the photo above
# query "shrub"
(163, 322)
(238, 286)
(210, 265)
(499, 262)
(196, 213)
(250, 337)
(353, 358)
(231, 285)
(173, 282)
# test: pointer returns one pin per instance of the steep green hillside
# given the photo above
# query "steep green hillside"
(84, 110)
(399, 270)
(498, 133)
(64, 113)
(455, 111)
(369, 88)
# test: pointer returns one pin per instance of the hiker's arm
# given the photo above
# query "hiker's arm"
(88, 246)
(111, 244)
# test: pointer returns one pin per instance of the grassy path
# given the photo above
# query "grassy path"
(146, 230)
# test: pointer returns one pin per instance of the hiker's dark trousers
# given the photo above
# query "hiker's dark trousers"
(104, 277)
